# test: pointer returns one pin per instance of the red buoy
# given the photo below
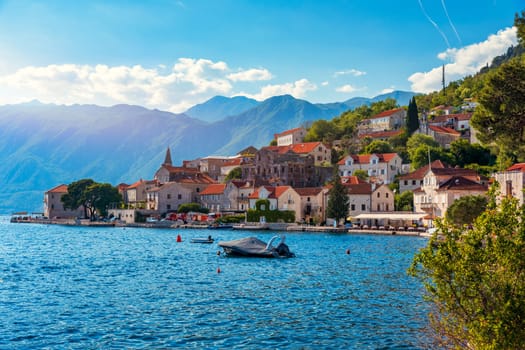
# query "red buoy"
(218, 270)
(348, 251)
(179, 238)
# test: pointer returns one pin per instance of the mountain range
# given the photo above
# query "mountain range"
(44, 145)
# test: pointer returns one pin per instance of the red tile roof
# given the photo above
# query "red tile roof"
(287, 132)
(362, 188)
(386, 113)
(460, 183)
(232, 162)
(420, 173)
(351, 180)
(58, 189)
(517, 167)
(308, 191)
(298, 148)
(213, 189)
(365, 158)
(443, 130)
(275, 191)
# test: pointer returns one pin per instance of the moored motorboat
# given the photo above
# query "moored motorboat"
(205, 240)
(254, 247)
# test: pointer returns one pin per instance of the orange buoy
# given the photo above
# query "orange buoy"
(179, 238)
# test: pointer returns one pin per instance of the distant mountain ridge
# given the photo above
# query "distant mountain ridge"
(43, 145)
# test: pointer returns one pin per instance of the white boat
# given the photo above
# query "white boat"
(205, 240)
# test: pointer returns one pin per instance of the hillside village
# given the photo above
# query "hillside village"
(294, 175)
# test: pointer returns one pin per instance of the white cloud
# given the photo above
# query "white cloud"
(387, 90)
(346, 88)
(354, 72)
(297, 89)
(464, 61)
(325, 83)
(250, 75)
(188, 82)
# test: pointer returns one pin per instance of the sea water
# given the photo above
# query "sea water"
(137, 288)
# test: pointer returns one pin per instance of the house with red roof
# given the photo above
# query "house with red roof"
(385, 121)
(298, 165)
(280, 198)
(290, 137)
(414, 179)
(512, 182)
(137, 193)
(228, 166)
(381, 167)
(443, 135)
(312, 205)
(214, 198)
(167, 197)
(442, 186)
(53, 206)
(238, 192)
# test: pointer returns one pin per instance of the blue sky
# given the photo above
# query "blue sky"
(173, 54)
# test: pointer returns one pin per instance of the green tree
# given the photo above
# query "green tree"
(500, 117)
(465, 153)
(337, 207)
(405, 201)
(74, 198)
(98, 196)
(412, 120)
(475, 279)
(420, 156)
(235, 173)
(378, 146)
(465, 210)
(361, 174)
(196, 207)
(519, 23)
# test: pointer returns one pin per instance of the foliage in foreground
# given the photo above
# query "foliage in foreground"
(475, 279)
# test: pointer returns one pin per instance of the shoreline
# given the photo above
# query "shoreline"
(171, 225)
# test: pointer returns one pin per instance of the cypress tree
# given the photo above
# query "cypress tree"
(412, 121)
(337, 207)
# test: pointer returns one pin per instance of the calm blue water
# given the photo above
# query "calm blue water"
(110, 288)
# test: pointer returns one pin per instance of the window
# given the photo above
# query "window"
(414, 182)
(378, 194)
(406, 183)
(363, 207)
(179, 196)
(168, 206)
(387, 208)
(378, 207)
(352, 207)
(386, 195)
(168, 196)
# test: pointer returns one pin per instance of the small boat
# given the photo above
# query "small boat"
(251, 227)
(254, 247)
(204, 240)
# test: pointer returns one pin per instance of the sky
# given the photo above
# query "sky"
(174, 54)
